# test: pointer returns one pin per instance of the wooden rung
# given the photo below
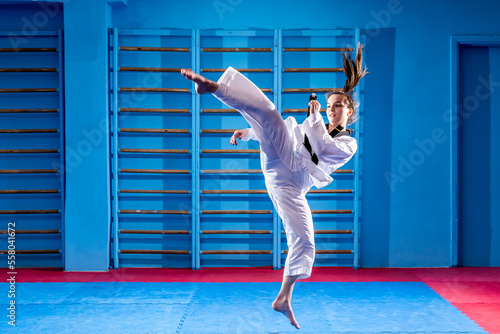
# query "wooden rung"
(143, 48)
(231, 171)
(329, 251)
(307, 70)
(330, 232)
(231, 151)
(330, 211)
(333, 232)
(37, 251)
(208, 252)
(333, 251)
(150, 69)
(237, 49)
(159, 251)
(218, 130)
(147, 191)
(28, 69)
(305, 90)
(28, 131)
(301, 110)
(27, 212)
(264, 90)
(316, 49)
(158, 212)
(154, 130)
(26, 110)
(181, 111)
(148, 150)
(343, 171)
(31, 231)
(228, 111)
(153, 232)
(28, 90)
(234, 191)
(28, 49)
(29, 191)
(236, 212)
(312, 191)
(236, 232)
(154, 90)
(163, 171)
(19, 171)
(329, 191)
(30, 151)
(237, 69)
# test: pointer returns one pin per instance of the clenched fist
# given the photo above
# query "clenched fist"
(314, 106)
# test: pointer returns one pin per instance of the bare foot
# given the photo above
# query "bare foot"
(202, 84)
(285, 308)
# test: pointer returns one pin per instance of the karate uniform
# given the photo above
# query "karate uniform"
(288, 169)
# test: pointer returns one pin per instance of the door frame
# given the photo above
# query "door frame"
(456, 41)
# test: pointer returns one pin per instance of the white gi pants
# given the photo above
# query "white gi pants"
(287, 183)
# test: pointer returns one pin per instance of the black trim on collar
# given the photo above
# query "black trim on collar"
(338, 131)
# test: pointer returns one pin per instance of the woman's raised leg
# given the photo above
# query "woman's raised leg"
(238, 92)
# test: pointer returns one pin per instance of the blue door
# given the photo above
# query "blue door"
(479, 156)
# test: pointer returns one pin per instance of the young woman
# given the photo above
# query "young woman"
(293, 157)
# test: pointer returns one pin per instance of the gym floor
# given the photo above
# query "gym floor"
(238, 300)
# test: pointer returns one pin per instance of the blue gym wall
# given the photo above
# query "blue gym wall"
(405, 217)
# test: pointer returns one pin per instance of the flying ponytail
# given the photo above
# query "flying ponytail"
(354, 71)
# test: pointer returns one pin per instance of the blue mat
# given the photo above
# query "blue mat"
(326, 307)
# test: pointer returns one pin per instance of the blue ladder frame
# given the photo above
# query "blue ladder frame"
(195, 50)
(60, 111)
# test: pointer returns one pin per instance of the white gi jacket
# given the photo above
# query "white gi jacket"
(332, 152)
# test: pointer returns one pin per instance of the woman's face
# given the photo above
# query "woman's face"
(337, 110)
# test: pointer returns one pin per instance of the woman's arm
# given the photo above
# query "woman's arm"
(328, 149)
(243, 134)
(314, 127)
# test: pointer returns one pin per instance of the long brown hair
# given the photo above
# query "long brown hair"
(354, 71)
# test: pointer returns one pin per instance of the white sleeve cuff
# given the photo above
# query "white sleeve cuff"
(250, 135)
(314, 120)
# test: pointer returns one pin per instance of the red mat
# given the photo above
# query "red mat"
(485, 315)
(464, 274)
(216, 275)
(479, 299)
(468, 292)
(265, 274)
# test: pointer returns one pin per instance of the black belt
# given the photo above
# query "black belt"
(307, 144)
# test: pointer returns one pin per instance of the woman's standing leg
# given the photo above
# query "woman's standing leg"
(292, 207)
(283, 303)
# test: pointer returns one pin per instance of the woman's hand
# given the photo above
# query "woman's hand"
(314, 106)
(238, 134)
